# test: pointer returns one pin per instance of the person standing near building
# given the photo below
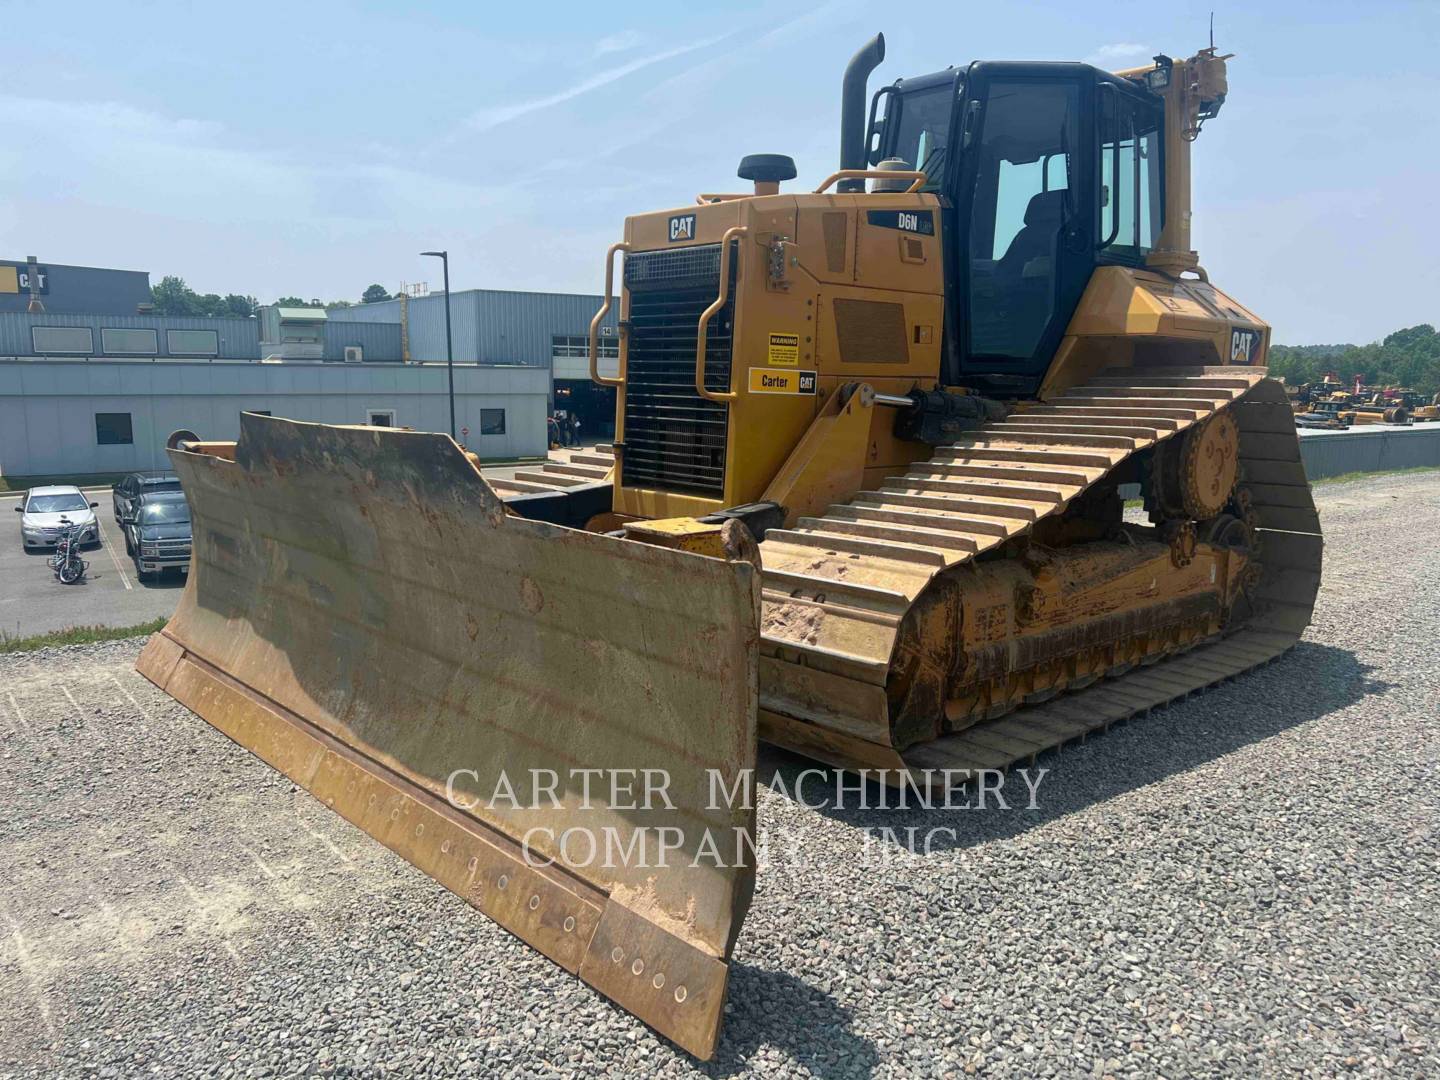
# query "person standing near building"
(575, 429)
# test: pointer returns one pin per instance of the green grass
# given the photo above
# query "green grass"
(1346, 477)
(81, 480)
(75, 635)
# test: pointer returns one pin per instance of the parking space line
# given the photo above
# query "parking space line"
(138, 707)
(205, 909)
(66, 691)
(323, 839)
(105, 536)
(18, 714)
(31, 971)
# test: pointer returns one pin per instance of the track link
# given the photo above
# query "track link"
(838, 586)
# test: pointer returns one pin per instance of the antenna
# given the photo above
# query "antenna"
(1212, 29)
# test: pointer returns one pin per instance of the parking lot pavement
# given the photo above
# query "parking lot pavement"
(32, 600)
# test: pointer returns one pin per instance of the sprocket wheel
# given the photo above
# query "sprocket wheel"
(1209, 466)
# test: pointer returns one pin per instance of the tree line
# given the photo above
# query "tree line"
(1409, 357)
(171, 296)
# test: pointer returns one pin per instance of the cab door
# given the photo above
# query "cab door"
(1024, 193)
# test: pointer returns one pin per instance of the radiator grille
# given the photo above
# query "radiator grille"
(674, 438)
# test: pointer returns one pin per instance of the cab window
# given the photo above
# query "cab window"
(1131, 198)
(923, 118)
(1023, 204)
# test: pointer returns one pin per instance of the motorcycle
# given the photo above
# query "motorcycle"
(68, 565)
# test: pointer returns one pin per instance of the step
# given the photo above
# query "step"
(886, 496)
(1104, 409)
(1057, 436)
(1127, 390)
(838, 544)
(998, 450)
(923, 519)
(1195, 407)
(1067, 478)
(1031, 497)
(1089, 425)
(965, 544)
(786, 582)
(1141, 380)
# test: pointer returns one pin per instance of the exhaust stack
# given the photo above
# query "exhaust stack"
(852, 108)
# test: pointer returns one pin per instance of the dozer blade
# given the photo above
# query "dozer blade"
(363, 615)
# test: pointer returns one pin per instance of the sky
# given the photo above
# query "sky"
(312, 149)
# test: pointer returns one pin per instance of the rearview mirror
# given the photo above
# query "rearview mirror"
(19, 509)
(94, 506)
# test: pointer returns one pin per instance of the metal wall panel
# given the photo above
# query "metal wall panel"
(1371, 449)
(380, 341)
(239, 338)
(489, 325)
(48, 407)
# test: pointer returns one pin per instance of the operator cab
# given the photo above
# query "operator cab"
(1045, 171)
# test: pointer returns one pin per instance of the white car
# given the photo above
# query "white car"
(43, 509)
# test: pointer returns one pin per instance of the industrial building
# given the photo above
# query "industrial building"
(80, 416)
(99, 391)
(497, 326)
(65, 290)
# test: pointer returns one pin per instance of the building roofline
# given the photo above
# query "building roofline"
(75, 266)
(438, 293)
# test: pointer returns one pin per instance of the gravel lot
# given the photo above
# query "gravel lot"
(1245, 884)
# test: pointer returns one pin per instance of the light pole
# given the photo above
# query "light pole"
(444, 257)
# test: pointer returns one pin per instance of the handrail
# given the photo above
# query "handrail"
(876, 174)
(595, 376)
(706, 198)
(732, 233)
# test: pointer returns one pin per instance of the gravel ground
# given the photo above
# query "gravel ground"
(1245, 884)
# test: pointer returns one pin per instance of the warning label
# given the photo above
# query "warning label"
(784, 350)
(765, 381)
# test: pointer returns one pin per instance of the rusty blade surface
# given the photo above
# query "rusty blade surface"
(362, 614)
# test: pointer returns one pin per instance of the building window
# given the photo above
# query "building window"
(137, 342)
(113, 429)
(381, 418)
(562, 345)
(192, 342)
(48, 340)
(492, 421)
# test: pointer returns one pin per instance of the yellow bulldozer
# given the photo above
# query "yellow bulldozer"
(863, 502)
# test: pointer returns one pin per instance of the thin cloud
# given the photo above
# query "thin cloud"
(625, 39)
(493, 117)
(1107, 56)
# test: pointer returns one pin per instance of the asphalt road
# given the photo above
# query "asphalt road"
(1245, 884)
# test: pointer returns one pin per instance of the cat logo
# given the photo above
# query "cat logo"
(1242, 345)
(682, 227)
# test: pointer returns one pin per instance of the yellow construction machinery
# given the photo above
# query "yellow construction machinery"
(863, 502)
